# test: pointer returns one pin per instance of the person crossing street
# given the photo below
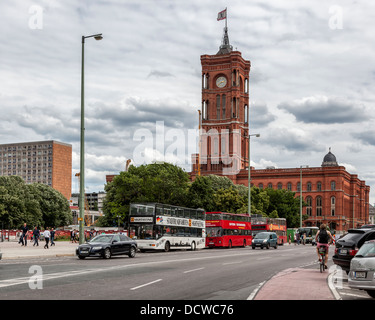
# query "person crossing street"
(47, 235)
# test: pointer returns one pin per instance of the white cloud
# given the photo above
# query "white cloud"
(311, 87)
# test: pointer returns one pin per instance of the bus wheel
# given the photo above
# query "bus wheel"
(167, 247)
(193, 246)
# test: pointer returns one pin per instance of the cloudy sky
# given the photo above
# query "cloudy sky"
(311, 82)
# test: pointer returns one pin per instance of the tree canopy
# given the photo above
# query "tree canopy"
(169, 184)
(36, 204)
(156, 182)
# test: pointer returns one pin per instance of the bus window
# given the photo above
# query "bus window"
(193, 214)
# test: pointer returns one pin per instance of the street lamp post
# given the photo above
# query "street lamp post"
(300, 193)
(249, 177)
(82, 143)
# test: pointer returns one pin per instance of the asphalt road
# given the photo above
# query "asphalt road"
(218, 274)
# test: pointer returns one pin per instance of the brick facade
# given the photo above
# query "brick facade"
(47, 162)
(334, 196)
(62, 168)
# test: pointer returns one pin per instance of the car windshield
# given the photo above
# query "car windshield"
(104, 238)
(367, 250)
(262, 235)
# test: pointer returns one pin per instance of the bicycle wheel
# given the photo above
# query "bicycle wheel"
(322, 267)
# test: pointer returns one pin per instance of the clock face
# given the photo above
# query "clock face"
(221, 82)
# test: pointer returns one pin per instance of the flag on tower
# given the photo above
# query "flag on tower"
(222, 15)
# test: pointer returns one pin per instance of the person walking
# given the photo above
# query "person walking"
(52, 237)
(36, 234)
(25, 231)
(47, 235)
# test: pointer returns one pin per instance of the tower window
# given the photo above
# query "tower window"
(218, 107)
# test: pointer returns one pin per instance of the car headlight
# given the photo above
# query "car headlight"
(97, 248)
(265, 240)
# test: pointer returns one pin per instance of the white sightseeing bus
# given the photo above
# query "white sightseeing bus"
(157, 226)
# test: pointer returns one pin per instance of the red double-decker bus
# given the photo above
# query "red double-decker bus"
(277, 225)
(227, 230)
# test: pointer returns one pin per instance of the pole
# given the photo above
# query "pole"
(300, 198)
(249, 177)
(249, 184)
(200, 143)
(82, 153)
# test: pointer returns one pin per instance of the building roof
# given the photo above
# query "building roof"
(329, 160)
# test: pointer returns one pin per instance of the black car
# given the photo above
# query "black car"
(348, 245)
(107, 245)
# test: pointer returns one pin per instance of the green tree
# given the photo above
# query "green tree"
(286, 205)
(36, 204)
(156, 182)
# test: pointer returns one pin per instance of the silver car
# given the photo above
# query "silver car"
(362, 269)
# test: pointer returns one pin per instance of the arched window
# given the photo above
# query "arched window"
(333, 206)
(218, 107)
(309, 186)
(246, 85)
(298, 187)
(260, 185)
(223, 102)
(319, 186)
(309, 206)
(333, 185)
(289, 186)
(246, 113)
(319, 206)
(279, 186)
(269, 186)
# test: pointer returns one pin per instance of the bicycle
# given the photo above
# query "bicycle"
(322, 253)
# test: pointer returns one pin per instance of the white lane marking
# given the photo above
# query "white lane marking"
(17, 281)
(188, 271)
(146, 284)
(352, 294)
(255, 291)
(228, 263)
(332, 286)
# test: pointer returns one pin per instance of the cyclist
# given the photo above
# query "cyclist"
(322, 240)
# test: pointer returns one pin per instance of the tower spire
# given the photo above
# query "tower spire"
(225, 47)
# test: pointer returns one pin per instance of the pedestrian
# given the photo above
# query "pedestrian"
(290, 238)
(298, 238)
(36, 234)
(47, 235)
(52, 237)
(24, 230)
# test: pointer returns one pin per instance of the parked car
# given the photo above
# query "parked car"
(368, 226)
(347, 246)
(264, 240)
(362, 269)
(107, 245)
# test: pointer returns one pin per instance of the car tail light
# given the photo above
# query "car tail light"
(352, 252)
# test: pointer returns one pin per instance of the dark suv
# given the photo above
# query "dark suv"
(348, 245)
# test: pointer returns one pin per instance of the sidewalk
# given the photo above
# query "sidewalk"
(14, 250)
(296, 284)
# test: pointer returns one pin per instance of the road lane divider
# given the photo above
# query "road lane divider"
(188, 271)
(146, 284)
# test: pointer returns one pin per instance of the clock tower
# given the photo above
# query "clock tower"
(224, 120)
